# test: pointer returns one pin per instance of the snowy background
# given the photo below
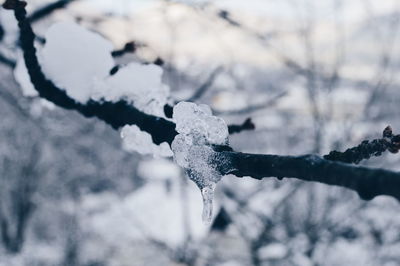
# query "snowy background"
(313, 76)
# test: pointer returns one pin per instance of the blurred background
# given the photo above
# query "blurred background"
(313, 75)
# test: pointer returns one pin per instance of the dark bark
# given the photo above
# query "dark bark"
(368, 182)
(129, 47)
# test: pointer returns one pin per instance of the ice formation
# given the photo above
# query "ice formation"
(79, 61)
(133, 139)
(198, 129)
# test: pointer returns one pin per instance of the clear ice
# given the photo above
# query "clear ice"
(208, 195)
(198, 129)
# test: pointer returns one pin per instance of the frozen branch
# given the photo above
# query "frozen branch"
(206, 85)
(367, 182)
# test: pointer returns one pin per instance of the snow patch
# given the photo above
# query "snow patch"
(73, 58)
(79, 61)
(133, 139)
(138, 84)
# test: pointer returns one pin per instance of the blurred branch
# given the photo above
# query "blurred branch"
(368, 182)
(48, 9)
(206, 85)
(221, 221)
(252, 108)
(12, 101)
(130, 47)
(7, 61)
(383, 76)
(168, 109)
(247, 125)
(1, 33)
(288, 62)
(226, 16)
(13, 230)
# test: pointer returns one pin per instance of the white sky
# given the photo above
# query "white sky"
(353, 9)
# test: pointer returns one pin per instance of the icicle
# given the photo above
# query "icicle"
(198, 130)
(208, 197)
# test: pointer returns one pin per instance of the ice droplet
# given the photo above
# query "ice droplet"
(208, 196)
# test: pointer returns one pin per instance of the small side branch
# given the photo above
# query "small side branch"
(129, 47)
(7, 61)
(247, 125)
(367, 149)
(206, 85)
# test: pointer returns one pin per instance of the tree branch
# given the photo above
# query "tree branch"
(130, 47)
(367, 182)
(367, 148)
(48, 9)
(7, 61)
(247, 125)
(206, 85)
(253, 108)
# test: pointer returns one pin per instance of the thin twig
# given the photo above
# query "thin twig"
(48, 9)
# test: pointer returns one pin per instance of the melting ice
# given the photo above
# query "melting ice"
(198, 129)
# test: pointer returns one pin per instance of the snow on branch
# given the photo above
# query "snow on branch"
(213, 147)
(117, 114)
